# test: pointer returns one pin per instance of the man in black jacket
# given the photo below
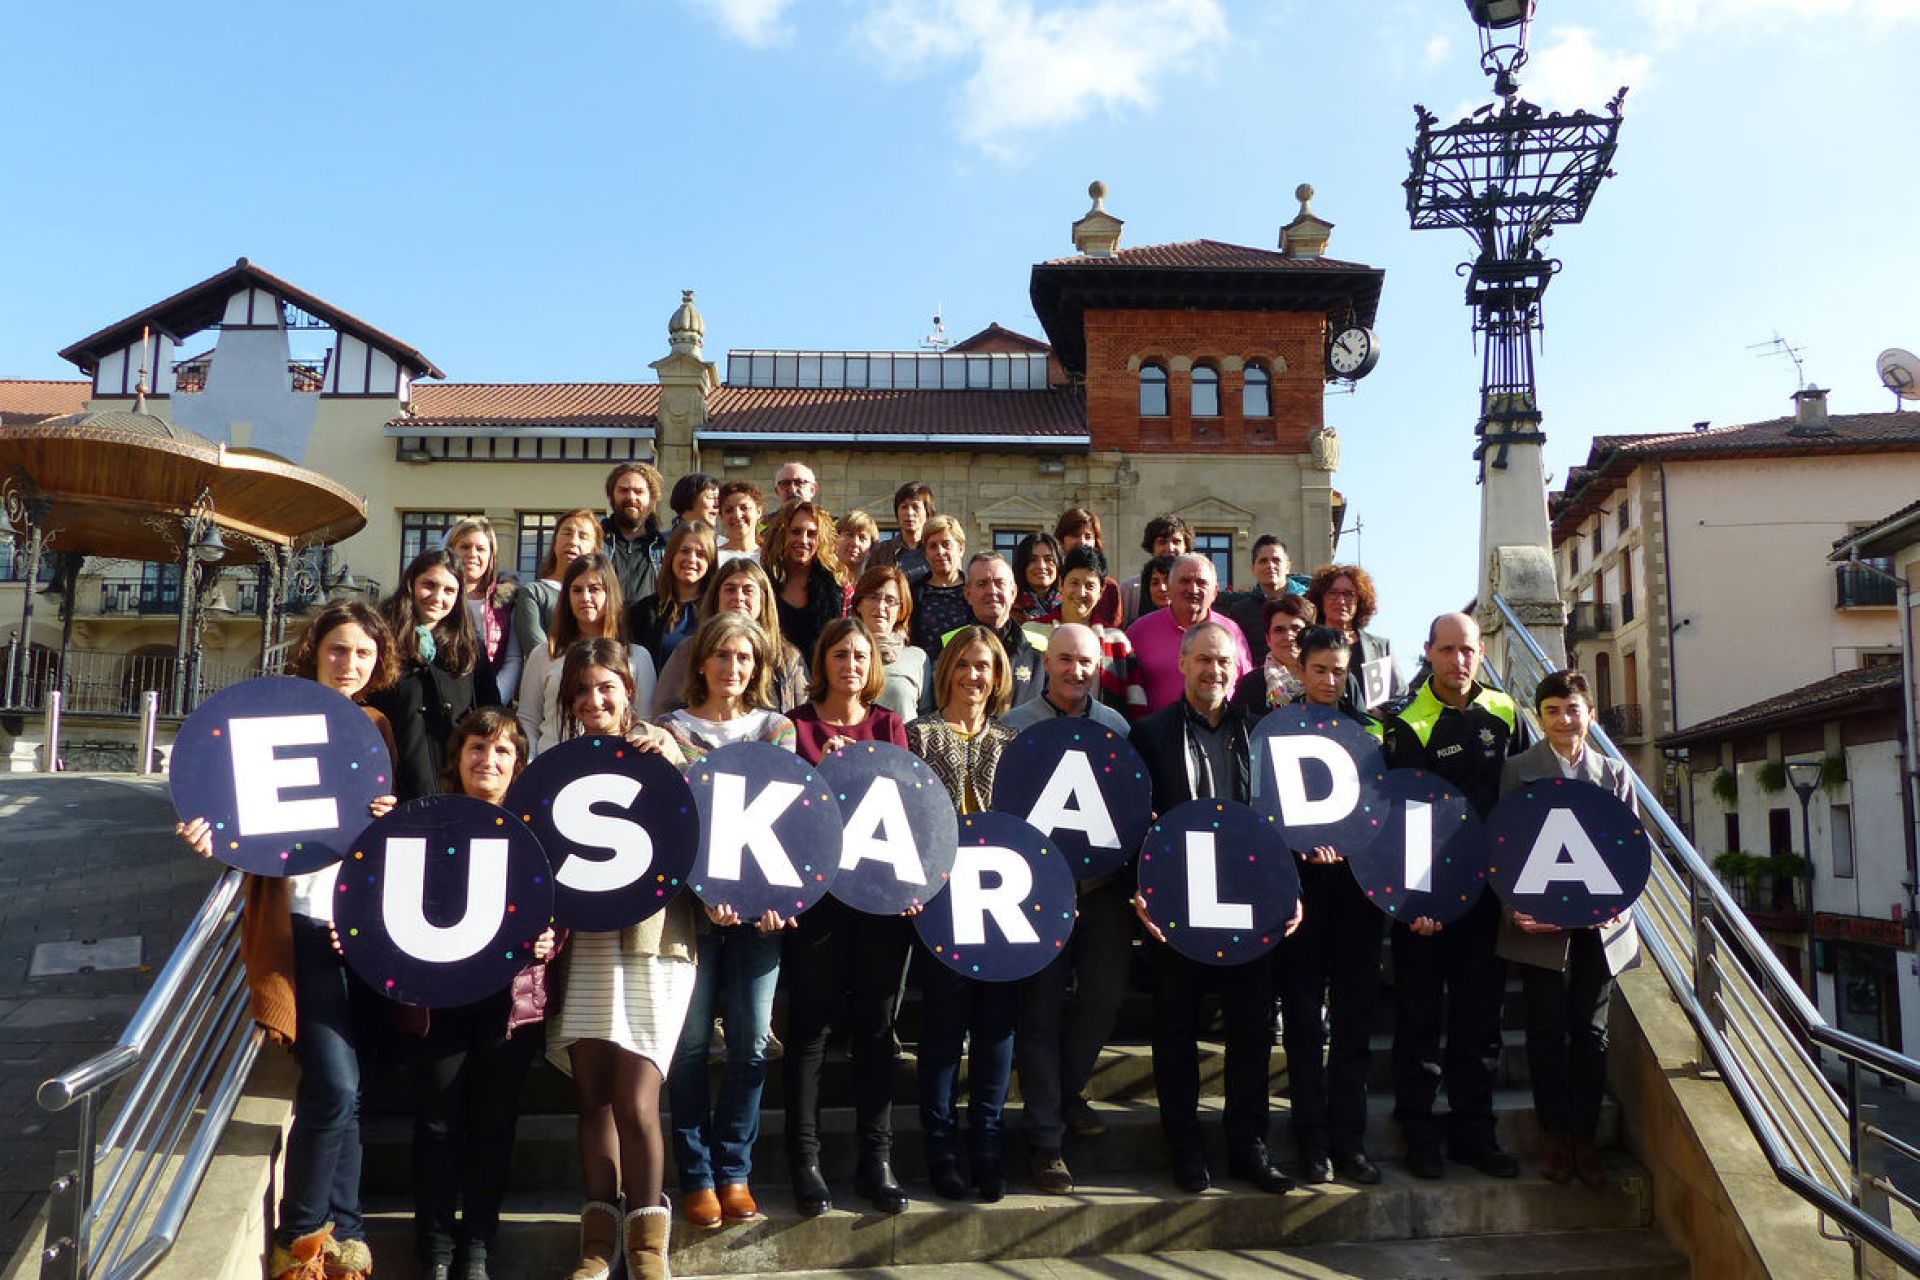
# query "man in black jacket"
(633, 540)
(1194, 748)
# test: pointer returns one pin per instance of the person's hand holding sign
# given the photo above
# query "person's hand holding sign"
(1322, 853)
(198, 833)
(1527, 924)
(1425, 926)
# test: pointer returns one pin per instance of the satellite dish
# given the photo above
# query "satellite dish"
(1900, 372)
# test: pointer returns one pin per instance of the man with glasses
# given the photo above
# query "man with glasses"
(794, 482)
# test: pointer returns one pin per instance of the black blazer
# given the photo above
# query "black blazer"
(1161, 739)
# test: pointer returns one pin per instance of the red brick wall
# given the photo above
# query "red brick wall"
(1118, 339)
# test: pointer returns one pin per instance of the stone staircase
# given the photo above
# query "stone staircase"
(1124, 1203)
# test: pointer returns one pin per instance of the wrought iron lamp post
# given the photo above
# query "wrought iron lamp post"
(204, 547)
(1804, 777)
(1507, 175)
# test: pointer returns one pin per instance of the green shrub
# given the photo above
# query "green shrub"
(1726, 788)
(1833, 771)
(1772, 777)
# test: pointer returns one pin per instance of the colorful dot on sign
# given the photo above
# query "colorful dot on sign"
(233, 844)
(389, 984)
(219, 826)
(526, 817)
(619, 755)
(357, 855)
(1057, 944)
(353, 764)
(511, 908)
(353, 933)
(509, 955)
(216, 733)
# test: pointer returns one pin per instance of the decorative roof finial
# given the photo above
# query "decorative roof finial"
(685, 329)
(1097, 233)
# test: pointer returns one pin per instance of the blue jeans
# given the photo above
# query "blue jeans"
(323, 1147)
(713, 1139)
(957, 1012)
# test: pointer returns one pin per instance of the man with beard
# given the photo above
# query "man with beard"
(633, 539)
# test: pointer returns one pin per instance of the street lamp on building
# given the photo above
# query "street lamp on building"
(1804, 777)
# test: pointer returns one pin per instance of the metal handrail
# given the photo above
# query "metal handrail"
(175, 1075)
(1840, 1178)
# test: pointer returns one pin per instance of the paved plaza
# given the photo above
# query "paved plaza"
(82, 857)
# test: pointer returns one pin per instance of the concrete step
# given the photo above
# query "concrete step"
(1124, 1073)
(1624, 1255)
(546, 1154)
(1119, 1215)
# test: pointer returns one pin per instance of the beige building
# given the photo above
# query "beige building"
(1694, 564)
(1186, 377)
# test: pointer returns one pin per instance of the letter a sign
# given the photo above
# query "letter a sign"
(1083, 785)
(1567, 853)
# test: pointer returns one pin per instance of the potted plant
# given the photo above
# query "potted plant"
(1772, 777)
(1833, 771)
(1726, 788)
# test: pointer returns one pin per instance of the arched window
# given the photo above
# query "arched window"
(1256, 399)
(1206, 391)
(1153, 391)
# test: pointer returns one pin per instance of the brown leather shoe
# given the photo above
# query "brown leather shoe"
(1556, 1158)
(736, 1202)
(1588, 1166)
(701, 1208)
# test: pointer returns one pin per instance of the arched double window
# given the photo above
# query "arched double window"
(1256, 394)
(1153, 391)
(1206, 391)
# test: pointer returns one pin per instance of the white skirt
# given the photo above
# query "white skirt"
(637, 1003)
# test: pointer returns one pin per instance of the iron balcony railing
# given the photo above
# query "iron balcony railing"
(1757, 1028)
(1588, 619)
(98, 682)
(1868, 584)
(170, 1084)
(1622, 720)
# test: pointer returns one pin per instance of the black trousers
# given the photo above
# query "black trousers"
(1179, 1021)
(837, 953)
(1567, 1036)
(1059, 1039)
(467, 1076)
(1333, 958)
(1452, 980)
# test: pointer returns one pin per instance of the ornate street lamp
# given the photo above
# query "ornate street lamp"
(1507, 175)
(1804, 777)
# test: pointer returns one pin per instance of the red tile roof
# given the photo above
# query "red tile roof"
(1864, 688)
(1884, 536)
(768, 411)
(997, 337)
(36, 400)
(791, 411)
(533, 404)
(1205, 253)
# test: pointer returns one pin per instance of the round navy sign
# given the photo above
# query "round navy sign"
(1321, 777)
(1431, 858)
(1567, 853)
(1009, 905)
(898, 828)
(769, 830)
(618, 826)
(1219, 881)
(439, 902)
(1081, 784)
(283, 769)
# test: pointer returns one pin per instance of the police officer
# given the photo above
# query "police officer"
(1459, 729)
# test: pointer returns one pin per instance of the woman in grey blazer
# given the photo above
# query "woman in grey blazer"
(1567, 975)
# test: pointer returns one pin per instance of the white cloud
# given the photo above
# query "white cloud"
(1672, 19)
(1572, 70)
(753, 22)
(1437, 50)
(1036, 66)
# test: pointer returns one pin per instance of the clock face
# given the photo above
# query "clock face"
(1353, 352)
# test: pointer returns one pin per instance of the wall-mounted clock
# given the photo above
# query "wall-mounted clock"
(1352, 352)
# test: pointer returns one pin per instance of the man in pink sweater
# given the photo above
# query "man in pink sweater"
(1156, 637)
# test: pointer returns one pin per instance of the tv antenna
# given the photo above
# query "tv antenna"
(1779, 346)
(938, 339)
(1899, 373)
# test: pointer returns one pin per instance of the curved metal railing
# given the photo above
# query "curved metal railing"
(1756, 1026)
(165, 1092)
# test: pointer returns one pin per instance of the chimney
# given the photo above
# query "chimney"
(1306, 236)
(1810, 413)
(1097, 233)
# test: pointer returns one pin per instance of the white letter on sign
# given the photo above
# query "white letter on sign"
(259, 776)
(1071, 801)
(1204, 908)
(739, 826)
(1562, 834)
(973, 902)
(1419, 847)
(403, 901)
(1285, 756)
(627, 840)
(878, 829)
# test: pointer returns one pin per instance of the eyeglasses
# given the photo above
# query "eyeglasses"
(1340, 595)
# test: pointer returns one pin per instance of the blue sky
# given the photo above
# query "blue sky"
(521, 191)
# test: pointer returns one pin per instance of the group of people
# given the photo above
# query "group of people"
(727, 619)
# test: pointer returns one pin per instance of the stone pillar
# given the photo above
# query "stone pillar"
(685, 382)
(1516, 544)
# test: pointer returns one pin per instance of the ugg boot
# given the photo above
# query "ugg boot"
(304, 1259)
(599, 1240)
(648, 1233)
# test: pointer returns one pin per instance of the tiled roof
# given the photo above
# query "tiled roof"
(35, 400)
(1892, 524)
(997, 335)
(533, 404)
(746, 411)
(1850, 690)
(908, 414)
(1204, 253)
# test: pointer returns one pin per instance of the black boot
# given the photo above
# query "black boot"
(810, 1194)
(876, 1182)
(989, 1179)
(943, 1170)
